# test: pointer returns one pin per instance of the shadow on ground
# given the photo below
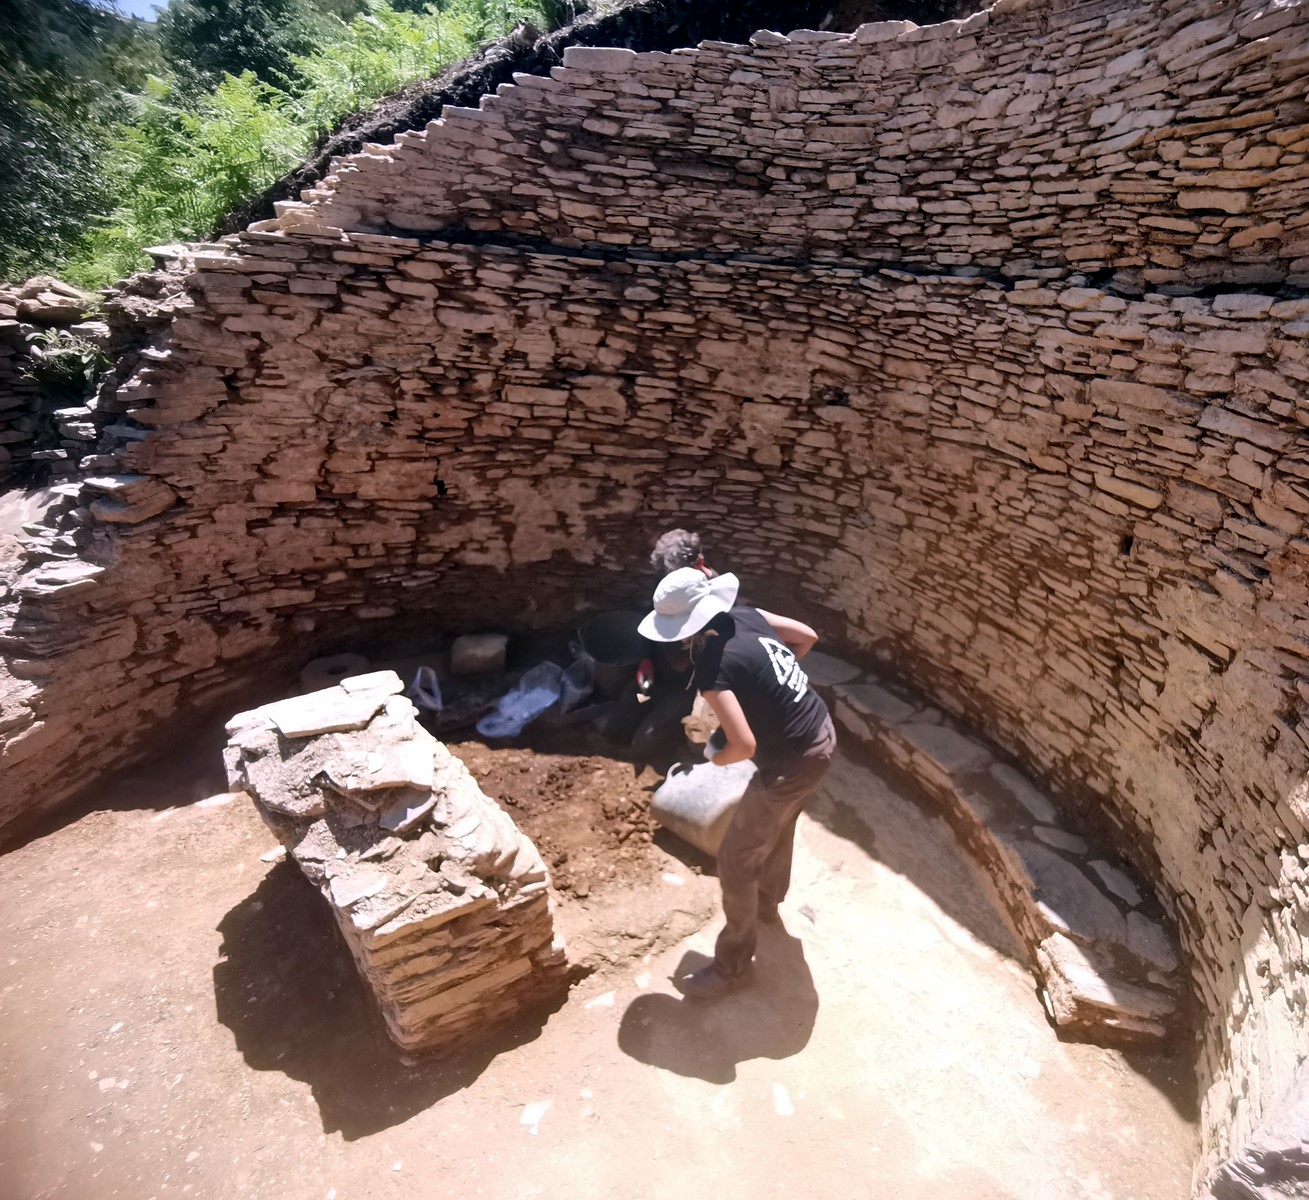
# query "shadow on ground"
(889, 819)
(772, 1018)
(287, 989)
(886, 818)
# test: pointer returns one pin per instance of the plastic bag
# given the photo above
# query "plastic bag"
(538, 689)
(578, 681)
(425, 691)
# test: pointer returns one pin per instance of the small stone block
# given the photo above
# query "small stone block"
(876, 702)
(478, 653)
(881, 31)
(1060, 839)
(386, 682)
(599, 58)
(1117, 882)
(947, 749)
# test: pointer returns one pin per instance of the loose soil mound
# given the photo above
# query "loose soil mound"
(587, 812)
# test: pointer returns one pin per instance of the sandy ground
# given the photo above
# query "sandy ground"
(179, 1018)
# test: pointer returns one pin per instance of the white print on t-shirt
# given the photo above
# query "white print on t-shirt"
(785, 667)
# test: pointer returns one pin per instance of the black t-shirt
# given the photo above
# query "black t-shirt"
(747, 659)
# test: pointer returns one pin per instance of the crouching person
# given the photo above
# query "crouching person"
(746, 666)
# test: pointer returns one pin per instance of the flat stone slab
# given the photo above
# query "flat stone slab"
(944, 747)
(1098, 942)
(333, 710)
(824, 670)
(872, 700)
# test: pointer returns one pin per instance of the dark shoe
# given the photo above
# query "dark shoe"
(708, 983)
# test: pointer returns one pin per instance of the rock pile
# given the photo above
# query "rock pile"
(442, 901)
(36, 426)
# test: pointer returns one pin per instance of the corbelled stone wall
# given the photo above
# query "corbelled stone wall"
(471, 378)
(1156, 142)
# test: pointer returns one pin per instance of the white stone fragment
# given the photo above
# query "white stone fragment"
(532, 1115)
(599, 58)
(329, 711)
(478, 653)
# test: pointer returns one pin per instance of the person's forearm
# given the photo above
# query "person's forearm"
(730, 754)
(796, 636)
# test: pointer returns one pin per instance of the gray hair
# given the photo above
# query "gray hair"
(676, 548)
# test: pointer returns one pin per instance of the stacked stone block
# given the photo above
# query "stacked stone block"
(41, 435)
(1107, 967)
(443, 903)
(1154, 142)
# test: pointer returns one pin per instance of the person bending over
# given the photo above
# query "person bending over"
(746, 666)
(679, 548)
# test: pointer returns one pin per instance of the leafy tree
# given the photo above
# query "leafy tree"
(185, 160)
(202, 40)
(61, 92)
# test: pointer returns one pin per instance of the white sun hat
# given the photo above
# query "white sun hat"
(685, 601)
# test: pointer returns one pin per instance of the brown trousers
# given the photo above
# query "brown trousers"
(754, 861)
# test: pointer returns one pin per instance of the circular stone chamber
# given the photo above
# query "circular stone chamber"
(983, 346)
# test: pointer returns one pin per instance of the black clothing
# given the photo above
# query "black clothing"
(746, 658)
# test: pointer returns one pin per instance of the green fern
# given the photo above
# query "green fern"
(380, 52)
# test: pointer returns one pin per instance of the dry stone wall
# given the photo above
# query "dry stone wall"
(1071, 509)
(45, 427)
(1153, 143)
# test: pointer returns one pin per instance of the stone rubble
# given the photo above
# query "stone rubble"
(31, 431)
(443, 902)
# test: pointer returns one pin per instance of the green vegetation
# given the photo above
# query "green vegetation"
(127, 141)
(67, 68)
(203, 40)
(65, 365)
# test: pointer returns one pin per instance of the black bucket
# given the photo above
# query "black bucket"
(613, 641)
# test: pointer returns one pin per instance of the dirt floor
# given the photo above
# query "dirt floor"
(179, 1017)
